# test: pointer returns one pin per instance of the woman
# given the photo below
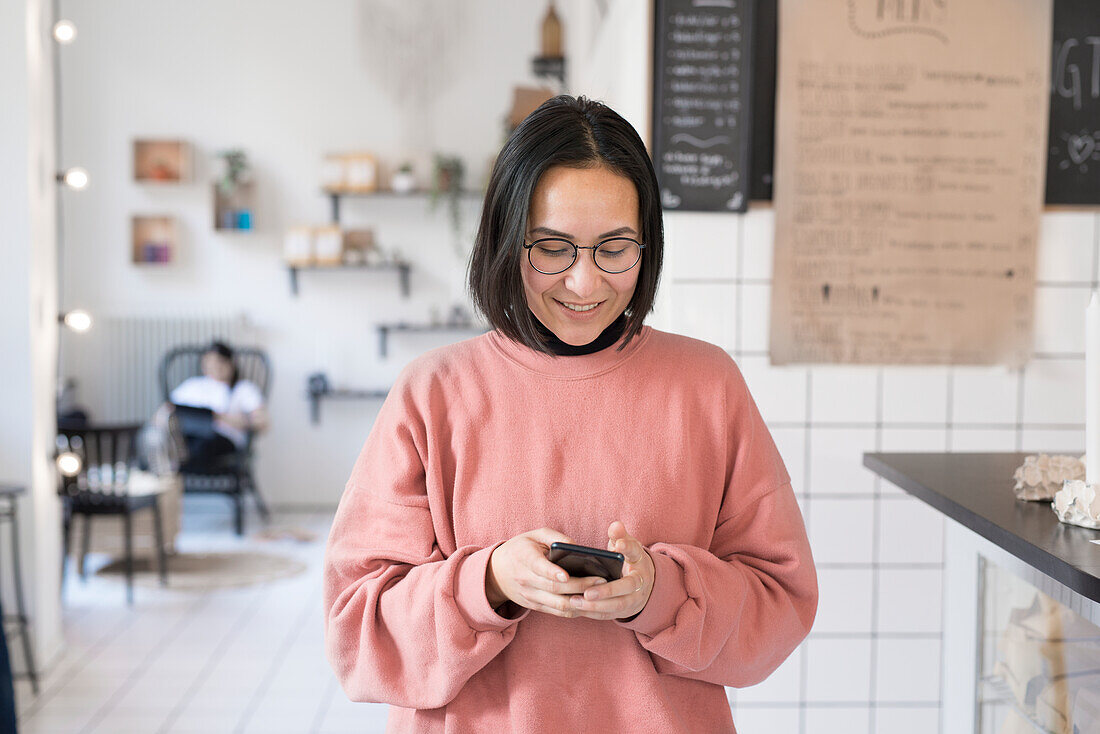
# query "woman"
(237, 405)
(572, 422)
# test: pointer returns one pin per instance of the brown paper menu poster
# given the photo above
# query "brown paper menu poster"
(910, 152)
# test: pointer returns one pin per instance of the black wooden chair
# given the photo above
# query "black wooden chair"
(95, 480)
(231, 475)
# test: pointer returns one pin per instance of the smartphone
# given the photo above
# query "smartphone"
(580, 560)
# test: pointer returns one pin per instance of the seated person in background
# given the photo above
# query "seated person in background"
(238, 407)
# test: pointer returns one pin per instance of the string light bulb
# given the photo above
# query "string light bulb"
(64, 31)
(75, 178)
(77, 320)
(69, 463)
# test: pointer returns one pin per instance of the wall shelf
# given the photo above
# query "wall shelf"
(336, 196)
(153, 240)
(315, 399)
(385, 329)
(233, 210)
(162, 161)
(403, 270)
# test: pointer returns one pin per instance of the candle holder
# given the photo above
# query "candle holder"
(1076, 503)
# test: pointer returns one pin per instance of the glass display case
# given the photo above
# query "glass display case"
(1038, 661)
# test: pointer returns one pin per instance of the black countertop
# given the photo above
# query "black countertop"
(975, 490)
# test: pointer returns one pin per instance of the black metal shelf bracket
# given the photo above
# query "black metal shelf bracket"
(316, 397)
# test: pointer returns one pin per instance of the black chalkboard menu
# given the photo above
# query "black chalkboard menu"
(763, 100)
(702, 72)
(1073, 155)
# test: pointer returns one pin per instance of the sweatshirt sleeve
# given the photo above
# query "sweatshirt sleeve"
(731, 613)
(405, 623)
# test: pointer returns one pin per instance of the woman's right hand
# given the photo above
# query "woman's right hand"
(520, 571)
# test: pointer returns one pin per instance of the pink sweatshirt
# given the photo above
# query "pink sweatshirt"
(486, 439)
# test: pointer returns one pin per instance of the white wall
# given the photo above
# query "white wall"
(28, 319)
(287, 81)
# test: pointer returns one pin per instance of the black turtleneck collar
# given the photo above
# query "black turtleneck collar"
(608, 337)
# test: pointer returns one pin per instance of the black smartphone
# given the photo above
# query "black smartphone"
(580, 560)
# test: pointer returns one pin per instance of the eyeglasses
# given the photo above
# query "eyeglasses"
(552, 255)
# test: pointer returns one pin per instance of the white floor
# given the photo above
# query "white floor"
(237, 660)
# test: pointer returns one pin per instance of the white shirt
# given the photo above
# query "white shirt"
(206, 392)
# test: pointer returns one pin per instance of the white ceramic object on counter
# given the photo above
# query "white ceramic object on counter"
(1041, 476)
(1076, 503)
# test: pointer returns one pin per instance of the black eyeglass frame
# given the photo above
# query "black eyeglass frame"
(577, 248)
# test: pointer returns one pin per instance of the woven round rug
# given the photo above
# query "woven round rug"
(208, 570)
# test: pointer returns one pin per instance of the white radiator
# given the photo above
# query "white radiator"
(115, 363)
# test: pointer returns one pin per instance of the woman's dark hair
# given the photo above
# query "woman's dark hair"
(226, 352)
(563, 131)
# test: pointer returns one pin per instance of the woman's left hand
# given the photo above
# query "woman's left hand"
(623, 597)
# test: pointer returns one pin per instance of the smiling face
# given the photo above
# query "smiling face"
(584, 206)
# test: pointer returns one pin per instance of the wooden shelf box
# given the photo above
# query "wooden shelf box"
(162, 161)
(155, 240)
(233, 212)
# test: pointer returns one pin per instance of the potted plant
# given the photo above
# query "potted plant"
(236, 171)
(447, 178)
(403, 181)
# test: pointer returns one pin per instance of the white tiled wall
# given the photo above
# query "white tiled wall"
(845, 603)
(872, 662)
